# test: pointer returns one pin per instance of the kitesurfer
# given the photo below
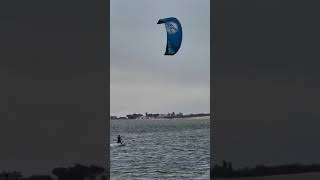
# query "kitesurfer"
(119, 139)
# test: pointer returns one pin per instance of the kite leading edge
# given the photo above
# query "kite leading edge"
(174, 34)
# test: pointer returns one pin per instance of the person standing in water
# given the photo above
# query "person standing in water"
(119, 139)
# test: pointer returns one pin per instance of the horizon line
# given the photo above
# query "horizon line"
(162, 113)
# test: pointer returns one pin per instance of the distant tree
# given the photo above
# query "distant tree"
(16, 175)
(38, 177)
(78, 172)
(60, 172)
(10, 175)
(224, 164)
(95, 171)
(230, 167)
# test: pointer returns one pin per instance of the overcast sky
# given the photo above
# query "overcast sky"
(143, 79)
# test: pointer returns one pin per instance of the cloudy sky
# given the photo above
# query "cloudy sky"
(143, 79)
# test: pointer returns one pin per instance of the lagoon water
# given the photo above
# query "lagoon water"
(170, 149)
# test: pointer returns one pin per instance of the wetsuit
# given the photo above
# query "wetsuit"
(119, 139)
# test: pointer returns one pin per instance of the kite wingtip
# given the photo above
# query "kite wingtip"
(169, 54)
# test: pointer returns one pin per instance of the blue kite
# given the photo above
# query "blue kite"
(174, 34)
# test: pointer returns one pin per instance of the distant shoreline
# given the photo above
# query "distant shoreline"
(154, 119)
(161, 116)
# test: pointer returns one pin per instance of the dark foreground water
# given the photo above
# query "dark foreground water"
(160, 149)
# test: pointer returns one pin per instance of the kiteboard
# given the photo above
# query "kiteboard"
(117, 144)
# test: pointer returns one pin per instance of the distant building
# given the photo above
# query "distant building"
(162, 115)
(115, 117)
(148, 116)
(122, 118)
(134, 116)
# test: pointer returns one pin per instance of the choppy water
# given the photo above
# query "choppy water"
(161, 149)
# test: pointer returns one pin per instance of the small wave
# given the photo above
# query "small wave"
(113, 144)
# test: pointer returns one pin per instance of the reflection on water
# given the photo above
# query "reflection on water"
(160, 149)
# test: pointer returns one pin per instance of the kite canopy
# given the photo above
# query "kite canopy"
(174, 34)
